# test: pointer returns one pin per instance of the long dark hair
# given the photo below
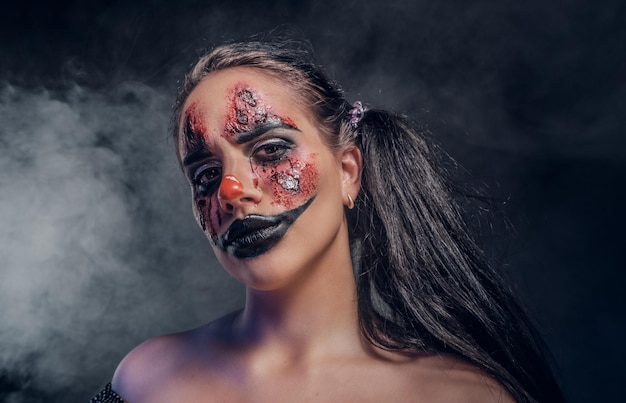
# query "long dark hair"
(423, 285)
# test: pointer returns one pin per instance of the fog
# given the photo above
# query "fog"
(94, 224)
(98, 247)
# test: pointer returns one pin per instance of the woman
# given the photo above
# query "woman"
(362, 282)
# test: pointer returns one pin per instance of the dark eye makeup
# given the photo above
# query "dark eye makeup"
(207, 178)
(270, 150)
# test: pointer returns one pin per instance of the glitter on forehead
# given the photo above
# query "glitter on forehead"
(247, 96)
(247, 110)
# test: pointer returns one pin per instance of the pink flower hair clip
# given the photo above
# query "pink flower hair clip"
(356, 113)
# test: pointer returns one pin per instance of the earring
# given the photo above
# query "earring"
(350, 202)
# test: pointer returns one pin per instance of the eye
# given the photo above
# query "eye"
(271, 152)
(207, 178)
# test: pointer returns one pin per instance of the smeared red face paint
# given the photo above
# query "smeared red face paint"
(209, 215)
(248, 110)
(195, 128)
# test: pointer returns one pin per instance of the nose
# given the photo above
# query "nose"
(230, 188)
(233, 194)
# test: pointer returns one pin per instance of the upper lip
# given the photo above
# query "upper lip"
(247, 226)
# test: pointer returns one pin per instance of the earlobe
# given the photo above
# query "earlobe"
(351, 164)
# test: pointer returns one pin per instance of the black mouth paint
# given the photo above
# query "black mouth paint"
(256, 234)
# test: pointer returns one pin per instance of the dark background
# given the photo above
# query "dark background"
(98, 249)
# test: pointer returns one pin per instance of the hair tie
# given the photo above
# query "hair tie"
(356, 113)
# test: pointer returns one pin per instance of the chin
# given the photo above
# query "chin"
(268, 271)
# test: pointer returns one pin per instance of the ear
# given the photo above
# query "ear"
(351, 165)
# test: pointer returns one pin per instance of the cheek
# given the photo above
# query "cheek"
(208, 215)
(292, 182)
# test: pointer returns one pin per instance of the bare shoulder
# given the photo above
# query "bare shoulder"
(448, 379)
(159, 364)
(146, 366)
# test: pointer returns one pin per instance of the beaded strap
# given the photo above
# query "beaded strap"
(107, 395)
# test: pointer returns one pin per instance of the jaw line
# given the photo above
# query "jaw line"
(255, 224)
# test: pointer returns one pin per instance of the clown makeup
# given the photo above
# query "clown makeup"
(280, 167)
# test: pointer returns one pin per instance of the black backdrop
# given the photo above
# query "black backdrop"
(98, 248)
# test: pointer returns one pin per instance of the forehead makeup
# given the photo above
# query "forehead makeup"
(248, 111)
(194, 129)
(247, 116)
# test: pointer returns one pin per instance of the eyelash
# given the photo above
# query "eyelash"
(206, 185)
(271, 152)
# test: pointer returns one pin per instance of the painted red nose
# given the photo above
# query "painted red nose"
(230, 188)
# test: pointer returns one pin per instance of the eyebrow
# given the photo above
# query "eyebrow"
(242, 138)
(196, 156)
(200, 153)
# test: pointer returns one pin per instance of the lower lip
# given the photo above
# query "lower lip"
(258, 242)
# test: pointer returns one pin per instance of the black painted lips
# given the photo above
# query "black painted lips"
(256, 234)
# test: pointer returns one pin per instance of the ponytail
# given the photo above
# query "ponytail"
(422, 283)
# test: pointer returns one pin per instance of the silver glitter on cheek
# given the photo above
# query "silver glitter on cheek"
(289, 183)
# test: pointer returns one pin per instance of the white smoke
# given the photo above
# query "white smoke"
(97, 245)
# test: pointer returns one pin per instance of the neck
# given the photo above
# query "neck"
(310, 317)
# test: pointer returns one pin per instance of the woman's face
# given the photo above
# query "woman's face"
(266, 190)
